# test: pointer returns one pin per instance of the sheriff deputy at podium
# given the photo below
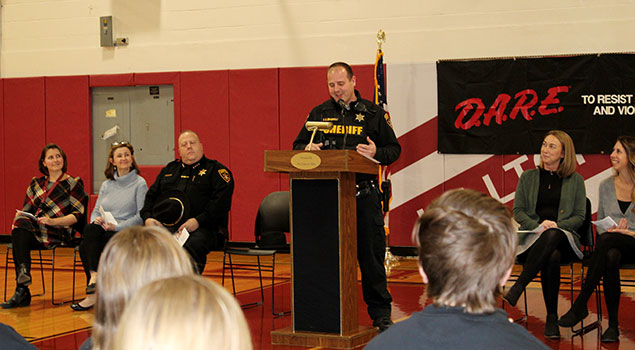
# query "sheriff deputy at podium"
(361, 125)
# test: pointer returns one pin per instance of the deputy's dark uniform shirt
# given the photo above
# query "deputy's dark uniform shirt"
(364, 118)
(208, 185)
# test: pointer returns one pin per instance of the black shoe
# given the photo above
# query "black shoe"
(514, 293)
(382, 323)
(572, 317)
(21, 297)
(78, 307)
(90, 289)
(551, 327)
(24, 278)
(611, 335)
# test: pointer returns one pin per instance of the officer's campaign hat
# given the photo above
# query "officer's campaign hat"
(171, 209)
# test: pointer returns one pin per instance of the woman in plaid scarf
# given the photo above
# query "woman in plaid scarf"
(53, 204)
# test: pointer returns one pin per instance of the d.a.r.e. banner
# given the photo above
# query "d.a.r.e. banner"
(505, 106)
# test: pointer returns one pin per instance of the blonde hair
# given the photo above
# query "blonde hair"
(132, 258)
(467, 243)
(568, 163)
(187, 312)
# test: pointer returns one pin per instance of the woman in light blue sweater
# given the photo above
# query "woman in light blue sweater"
(122, 195)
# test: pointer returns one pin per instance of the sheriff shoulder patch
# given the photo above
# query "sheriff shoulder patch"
(387, 117)
(224, 174)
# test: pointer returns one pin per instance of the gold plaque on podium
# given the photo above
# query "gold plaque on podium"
(306, 161)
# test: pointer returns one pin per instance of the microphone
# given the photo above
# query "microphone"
(360, 107)
(343, 105)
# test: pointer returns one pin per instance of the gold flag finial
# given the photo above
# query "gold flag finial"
(381, 38)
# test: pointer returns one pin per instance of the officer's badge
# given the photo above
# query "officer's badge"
(224, 174)
(359, 117)
(202, 172)
(387, 117)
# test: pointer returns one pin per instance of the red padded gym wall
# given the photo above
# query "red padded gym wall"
(68, 122)
(126, 79)
(301, 89)
(23, 138)
(205, 110)
(253, 128)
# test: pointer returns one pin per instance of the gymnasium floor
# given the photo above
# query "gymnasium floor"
(58, 327)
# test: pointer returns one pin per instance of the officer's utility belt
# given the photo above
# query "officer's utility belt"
(365, 187)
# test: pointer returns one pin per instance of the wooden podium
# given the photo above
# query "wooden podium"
(323, 247)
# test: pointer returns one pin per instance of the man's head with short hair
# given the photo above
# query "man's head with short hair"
(190, 147)
(341, 82)
(467, 244)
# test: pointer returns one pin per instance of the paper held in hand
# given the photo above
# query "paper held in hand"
(605, 223)
(27, 214)
(107, 216)
(182, 236)
(540, 228)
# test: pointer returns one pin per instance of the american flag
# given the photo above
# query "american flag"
(380, 99)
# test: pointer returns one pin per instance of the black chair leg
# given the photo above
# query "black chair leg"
(223, 275)
(6, 268)
(262, 293)
(74, 268)
(41, 272)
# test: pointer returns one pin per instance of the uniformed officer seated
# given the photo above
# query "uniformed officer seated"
(208, 186)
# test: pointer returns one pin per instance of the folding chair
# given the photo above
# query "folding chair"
(273, 216)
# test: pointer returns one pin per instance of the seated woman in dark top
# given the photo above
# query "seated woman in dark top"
(53, 203)
(551, 198)
(615, 246)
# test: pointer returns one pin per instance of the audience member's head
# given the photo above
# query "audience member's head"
(187, 312)
(133, 258)
(467, 245)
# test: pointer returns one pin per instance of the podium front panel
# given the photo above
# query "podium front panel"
(316, 261)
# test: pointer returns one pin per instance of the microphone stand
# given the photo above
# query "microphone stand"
(343, 110)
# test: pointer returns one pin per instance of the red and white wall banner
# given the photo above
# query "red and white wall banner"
(505, 106)
(423, 173)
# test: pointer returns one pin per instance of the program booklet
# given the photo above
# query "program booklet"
(27, 214)
(605, 223)
(182, 236)
(110, 219)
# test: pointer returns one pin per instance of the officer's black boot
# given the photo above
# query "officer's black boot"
(21, 297)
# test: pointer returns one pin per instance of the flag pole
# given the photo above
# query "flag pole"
(390, 260)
